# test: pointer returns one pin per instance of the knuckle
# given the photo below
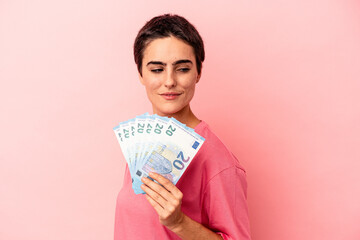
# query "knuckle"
(175, 202)
(166, 215)
(180, 195)
(171, 209)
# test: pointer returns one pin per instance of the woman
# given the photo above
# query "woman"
(209, 201)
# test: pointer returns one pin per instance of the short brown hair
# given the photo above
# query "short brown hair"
(165, 26)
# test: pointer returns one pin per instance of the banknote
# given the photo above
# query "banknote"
(151, 143)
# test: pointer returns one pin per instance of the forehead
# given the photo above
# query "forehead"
(168, 49)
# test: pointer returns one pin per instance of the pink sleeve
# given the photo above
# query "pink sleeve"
(226, 206)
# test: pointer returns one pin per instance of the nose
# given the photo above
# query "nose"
(170, 80)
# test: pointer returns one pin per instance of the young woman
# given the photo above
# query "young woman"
(209, 201)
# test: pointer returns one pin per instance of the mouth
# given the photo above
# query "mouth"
(170, 95)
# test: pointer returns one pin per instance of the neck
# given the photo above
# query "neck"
(185, 116)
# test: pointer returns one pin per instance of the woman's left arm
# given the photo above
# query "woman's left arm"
(166, 200)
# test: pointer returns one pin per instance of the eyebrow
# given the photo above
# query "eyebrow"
(175, 63)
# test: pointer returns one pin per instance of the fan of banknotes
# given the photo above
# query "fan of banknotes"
(151, 143)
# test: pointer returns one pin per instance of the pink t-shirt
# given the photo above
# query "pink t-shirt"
(214, 194)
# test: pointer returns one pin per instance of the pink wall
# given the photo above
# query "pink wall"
(280, 86)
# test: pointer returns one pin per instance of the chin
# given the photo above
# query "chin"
(166, 111)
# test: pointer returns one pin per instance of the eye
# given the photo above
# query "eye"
(184, 69)
(156, 70)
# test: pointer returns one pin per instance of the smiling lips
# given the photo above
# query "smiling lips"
(170, 95)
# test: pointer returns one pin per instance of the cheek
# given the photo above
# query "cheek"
(191, 92)
(189, 81)
(190, 89)
(152, 84)
(189, 85)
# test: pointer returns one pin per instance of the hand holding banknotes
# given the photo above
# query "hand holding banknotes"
(160, 149)
(165, 199)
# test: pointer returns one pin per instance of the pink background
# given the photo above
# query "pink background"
(280, 86)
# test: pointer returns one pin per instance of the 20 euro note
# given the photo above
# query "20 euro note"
(175, 149)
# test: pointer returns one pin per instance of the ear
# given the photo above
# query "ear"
(141, 79)
(198, 77)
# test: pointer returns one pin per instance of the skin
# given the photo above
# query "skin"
(162, 72)
(169, 65)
